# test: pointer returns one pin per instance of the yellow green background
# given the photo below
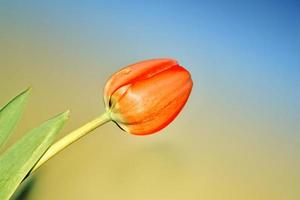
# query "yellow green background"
(236, 139)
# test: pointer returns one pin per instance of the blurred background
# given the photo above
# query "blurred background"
(238, 136)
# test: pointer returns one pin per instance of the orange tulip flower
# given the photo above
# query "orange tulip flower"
(145, 97)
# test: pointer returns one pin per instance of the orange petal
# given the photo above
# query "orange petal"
(164, 117)
(134, 73)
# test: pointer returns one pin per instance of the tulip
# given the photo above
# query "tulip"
(145, 97)
(141, 99)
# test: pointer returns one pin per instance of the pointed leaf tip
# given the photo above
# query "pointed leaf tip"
(18, 160)
(10, 115)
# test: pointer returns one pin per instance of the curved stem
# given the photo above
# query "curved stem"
(71, 138)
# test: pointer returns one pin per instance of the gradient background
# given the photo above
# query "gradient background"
(238, 136)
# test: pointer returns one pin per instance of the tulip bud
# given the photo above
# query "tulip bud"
(145, 97)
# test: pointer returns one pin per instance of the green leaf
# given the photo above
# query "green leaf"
(10, 115)
(24, 190)
(17, 162)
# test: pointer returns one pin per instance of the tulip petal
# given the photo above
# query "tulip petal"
(163, 117)
(134, 73)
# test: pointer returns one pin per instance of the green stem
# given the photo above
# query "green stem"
(71, 138)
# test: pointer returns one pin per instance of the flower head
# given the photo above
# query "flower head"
(144, 97)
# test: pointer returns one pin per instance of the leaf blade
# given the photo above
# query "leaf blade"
(10, 115)
(24, 190)
(21, 157)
